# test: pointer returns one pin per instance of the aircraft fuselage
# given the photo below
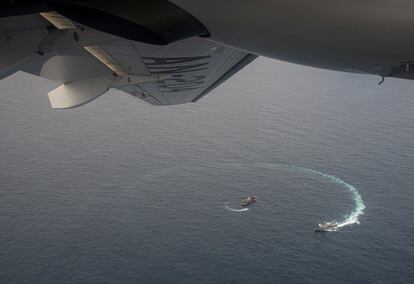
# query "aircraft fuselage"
(371, 36)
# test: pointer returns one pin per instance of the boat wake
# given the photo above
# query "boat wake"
(353, 216)
(349, 219)
(226, 205)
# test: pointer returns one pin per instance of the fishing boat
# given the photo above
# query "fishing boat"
(248, 200)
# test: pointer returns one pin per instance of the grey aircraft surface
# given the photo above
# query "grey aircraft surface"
(177, 51)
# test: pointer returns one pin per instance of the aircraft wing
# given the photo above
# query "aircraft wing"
(87, 62)
(191, 68)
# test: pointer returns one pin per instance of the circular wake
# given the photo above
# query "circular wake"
(349, 219)
(226, 205)
(353, 216)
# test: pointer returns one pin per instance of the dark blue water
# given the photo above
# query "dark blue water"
(120, 191)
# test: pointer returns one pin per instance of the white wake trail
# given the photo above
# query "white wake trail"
(226, 205)
(353, 216)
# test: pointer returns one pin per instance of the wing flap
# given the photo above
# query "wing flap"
(107, 60)
(59, 21)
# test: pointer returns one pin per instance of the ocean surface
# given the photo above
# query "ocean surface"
(119, 191)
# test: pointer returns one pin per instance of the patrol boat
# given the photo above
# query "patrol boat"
(248, 200)
(327, 227)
